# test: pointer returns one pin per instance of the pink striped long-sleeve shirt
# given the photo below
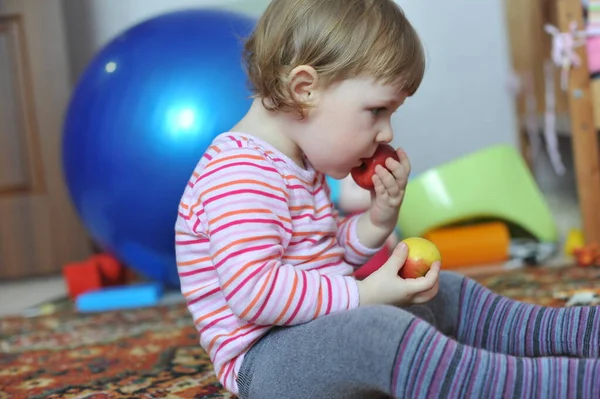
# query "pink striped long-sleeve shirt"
(259, 244)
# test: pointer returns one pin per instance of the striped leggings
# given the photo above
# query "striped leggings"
(468, 342)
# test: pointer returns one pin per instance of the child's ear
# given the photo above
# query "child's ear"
(303, 81)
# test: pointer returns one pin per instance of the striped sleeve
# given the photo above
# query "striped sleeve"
(245, 211)
(355, 253)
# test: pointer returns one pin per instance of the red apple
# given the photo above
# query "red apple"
(362, 174)
(421, 255)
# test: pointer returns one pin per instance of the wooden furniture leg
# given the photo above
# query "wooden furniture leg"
(585, 138)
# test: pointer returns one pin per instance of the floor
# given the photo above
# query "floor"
(17, 297)
(24, 297)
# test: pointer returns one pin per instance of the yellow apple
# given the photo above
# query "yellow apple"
(421, 255)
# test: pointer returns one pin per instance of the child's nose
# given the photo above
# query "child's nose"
(385, 135)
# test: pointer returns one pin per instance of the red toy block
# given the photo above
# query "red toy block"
(81, 277)
(111, 270)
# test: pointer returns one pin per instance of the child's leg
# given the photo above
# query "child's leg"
(478, 317)
(374, 351)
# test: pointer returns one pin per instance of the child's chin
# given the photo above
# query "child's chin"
(338, 175)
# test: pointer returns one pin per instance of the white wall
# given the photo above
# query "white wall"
(93, 23)
(463, 104)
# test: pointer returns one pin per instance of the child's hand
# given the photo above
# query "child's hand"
(384, 286)
(390, 185)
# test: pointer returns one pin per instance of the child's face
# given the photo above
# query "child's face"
(350, 120)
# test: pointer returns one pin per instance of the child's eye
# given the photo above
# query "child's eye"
(377, 111)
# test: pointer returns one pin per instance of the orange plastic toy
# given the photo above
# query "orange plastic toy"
(472, 245)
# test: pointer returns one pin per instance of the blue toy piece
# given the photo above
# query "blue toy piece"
(142, 114)
(118, 298)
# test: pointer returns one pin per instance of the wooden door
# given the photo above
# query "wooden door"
(39, 230)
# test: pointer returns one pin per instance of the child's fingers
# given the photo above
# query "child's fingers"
(397, 258)
(378, 186)
(388, 180)
(404, 161)
(426, 296)
(426, 282)
(421, 284)
(434, 272)
(435, 269)
(399, 171)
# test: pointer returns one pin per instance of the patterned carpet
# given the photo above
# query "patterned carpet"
(153, 353)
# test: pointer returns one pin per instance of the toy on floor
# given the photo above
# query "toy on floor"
(530, 252)
(98, 271)
(118, 298)
(472, 245)
(585, 255)
(588, 255)
(574, 240)
(579, 297)
(492, 183)
(101, 283)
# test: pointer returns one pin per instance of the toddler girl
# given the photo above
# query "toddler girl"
(265, 261)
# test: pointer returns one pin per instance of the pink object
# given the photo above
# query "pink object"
(373, 264)
(593, 52)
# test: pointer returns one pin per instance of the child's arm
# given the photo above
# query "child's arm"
(356, 253)
(244, 208)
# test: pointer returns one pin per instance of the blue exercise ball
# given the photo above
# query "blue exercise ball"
(140, 117)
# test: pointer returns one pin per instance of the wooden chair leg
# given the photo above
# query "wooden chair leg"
(585, 138)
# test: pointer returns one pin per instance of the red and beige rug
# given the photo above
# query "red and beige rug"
(153, 352)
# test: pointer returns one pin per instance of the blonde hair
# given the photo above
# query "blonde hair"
(340, 39)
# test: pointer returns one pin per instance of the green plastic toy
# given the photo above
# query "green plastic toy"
(494, 183)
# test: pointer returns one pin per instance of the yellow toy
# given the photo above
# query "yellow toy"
(574, 241)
